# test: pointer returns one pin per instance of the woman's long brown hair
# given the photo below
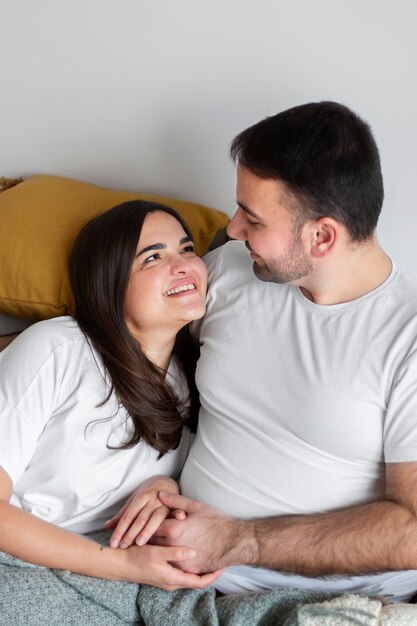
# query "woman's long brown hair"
(100, 266)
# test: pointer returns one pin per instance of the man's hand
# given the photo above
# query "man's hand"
(373, 537)
(218, 540)
(142, 514)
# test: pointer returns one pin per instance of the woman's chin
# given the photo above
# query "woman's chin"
(193, 313)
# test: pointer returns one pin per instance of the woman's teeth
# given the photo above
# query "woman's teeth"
(172, 292)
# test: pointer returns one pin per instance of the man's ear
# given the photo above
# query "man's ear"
(324, 235)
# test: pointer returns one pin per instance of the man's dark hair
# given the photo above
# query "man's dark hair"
(100, 266)
(326, 157)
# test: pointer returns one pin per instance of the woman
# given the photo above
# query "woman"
(93, 406)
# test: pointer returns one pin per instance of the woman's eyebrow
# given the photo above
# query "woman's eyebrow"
(161, 246)
(154, 246)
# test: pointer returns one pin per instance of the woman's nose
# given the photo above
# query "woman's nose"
(180, 265)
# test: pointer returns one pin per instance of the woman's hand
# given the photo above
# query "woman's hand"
(152, 565)
(142, 514)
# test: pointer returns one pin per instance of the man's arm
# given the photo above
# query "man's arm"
(371, 537)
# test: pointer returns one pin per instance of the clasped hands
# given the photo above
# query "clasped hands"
(186, 538)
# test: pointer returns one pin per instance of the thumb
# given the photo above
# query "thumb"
(174, 501)
(177, 553)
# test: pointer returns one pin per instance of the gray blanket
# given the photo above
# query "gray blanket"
(38, 596)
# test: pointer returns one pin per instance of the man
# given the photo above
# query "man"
(307, 437)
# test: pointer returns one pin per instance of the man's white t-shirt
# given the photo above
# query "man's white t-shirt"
(301, 406)
(55, 431)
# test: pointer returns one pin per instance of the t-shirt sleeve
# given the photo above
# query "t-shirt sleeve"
(29, 385)
(400, 434)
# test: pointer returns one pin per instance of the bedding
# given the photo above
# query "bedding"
(35, 596)
(9, 324)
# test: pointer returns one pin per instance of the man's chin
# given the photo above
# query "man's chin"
(262, 272)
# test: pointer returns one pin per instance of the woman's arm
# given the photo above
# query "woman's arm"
(31, 539)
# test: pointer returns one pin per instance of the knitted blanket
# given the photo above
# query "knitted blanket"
(38, 596)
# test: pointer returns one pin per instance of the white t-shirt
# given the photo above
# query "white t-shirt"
(54, 433)
(301, 404)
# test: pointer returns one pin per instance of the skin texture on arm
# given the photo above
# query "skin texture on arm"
(372, 537)
(29, 538)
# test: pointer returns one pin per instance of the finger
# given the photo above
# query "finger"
(159, 541)
(180, 579)
(129, 525)
(165, 528)
(152, 525)
(175, 553)
(179, 514)
(129, 538)
(174, 501)
(113, 521)
(210, 578)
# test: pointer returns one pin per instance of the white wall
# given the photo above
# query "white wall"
(146, 95)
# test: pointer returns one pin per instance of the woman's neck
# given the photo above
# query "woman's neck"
(157, 350)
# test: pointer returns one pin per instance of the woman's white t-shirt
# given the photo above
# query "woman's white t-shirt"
(59, 442)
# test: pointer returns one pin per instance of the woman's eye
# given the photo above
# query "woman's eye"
(153, 257)
(189, 248)
(253, 223)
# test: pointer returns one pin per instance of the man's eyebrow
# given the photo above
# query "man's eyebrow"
(161, 246)
(248, 210)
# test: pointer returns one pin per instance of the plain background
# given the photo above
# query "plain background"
(146, 95)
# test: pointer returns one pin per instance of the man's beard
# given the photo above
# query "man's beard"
(290, 266)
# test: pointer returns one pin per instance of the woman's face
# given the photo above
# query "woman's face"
(168, 281)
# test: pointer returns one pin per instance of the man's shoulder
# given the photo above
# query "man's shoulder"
(405, 287)
(228, 260)
(231, 248)
(408, 277)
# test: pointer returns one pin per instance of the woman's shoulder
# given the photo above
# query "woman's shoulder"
(54, 332)
(46, 356)
(43, 338)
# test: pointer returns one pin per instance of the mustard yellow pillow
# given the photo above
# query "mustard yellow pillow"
(39, 220)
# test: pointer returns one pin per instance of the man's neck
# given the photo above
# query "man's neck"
(356, 272)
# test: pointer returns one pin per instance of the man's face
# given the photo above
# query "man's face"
(266, 223)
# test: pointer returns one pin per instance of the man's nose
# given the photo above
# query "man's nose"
(235, 228)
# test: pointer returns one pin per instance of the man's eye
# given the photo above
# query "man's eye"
(252, 223)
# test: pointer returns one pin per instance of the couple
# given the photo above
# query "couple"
(303, 469)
